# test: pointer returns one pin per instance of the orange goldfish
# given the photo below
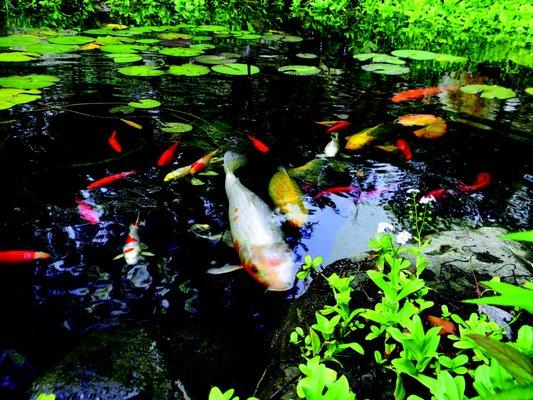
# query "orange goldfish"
(447, 326)
(21, 256)
(415, 94)
(288, 197)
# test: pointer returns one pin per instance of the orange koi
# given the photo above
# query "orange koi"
(416, 94)
(203, 162)
(87, 212)
(339, 126)
(483, 180)
(404, 148)
(259, 145)
(336, 189)
(168, 155)
(437, 194)
(109, 179)
(447, 327)
(114, 143)
(22, 256)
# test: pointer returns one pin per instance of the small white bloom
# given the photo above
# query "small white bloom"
(426, 199)
(403, 237)
(385, 227)
(410, 191)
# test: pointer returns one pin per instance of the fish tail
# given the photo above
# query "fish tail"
(233, 161)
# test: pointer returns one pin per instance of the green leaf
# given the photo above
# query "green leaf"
(379, 58)
(516, 363)
(123, 48)
(188, 70)
(197, 182)
(526, 236)
(300, 70)
(43, 396)
(50, 48)
(144, 103)
(489, 91)
(105, 40)
(122, 109)
(33, 81)
(19, 40)
(449, 58)
(18, 56)
(174, 35)
(511, 295)
(272, 37)
(12, 97)
(516, 393)
(415, 54)
(235, 69)
(181, 52)
(212, 59)
(306, 56)
(141, 70)
(125, 58)
(529, 91)
(292, 39)
(176, 127)
(76, 39)
(385, 69)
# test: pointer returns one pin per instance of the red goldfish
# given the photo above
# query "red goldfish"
(259, 145)
(114, 143)
(109, 179)
(87, 212)
(483, 180)
(21, 256)
(203, 162)
(447, 327)
(168, 155)
(404, 147)
(437, 194)
(337, 189)
(415, 94)
(339, 126)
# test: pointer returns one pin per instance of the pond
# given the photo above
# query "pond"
(53, 147)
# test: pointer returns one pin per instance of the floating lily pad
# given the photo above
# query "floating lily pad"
(379, 58)
(215, 60)
(386, 69)
(235, 69)
(105, 40)
(123, 48)
(176, 127)
(248, 36)
(147, 41)
(449, 58)
(292, 39)
(50, 48)
(201, 38)
(272, 37)
(306, 56)
(125, 58)
(76, 39)
(415, 54)
(141, 70)
(18, 56)
(12, 97)
(174, 35)
(101, 31)
(188, 70)
(122, 109)
(181, 52)
(489, 91)
(230, 55)
(212, 28)
(202, 46)
(33, 81)
(299, 70)
(18, 40)
(529, 91)
(144, 103)
(366, 56)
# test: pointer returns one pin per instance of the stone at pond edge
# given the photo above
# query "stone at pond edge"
(116, 363)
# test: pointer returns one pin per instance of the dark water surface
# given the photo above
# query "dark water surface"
(50, 154)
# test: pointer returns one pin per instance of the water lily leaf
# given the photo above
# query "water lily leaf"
(122, 109)
(144, 103)
(100, 31)
(125, 58)
(489, 91)
(529, 91)
(386, 69)
(68, 39)
(292, 39)
(415, 54)
(33, 81)
(230, 55)
(212, 28)
(19, 40)
(188, 70)
(181, 52)
(215, 59)
(202, 46)
(147, 41)
(18, 56)
(12, 97)
(141, 70)
(176, 127)
(235, 69)
(306, 56)
(299, 70)
(201, 38)
(449, 58)
(366, 56)
(272, 37)
(248, 36)
(50, 48)
(105, 40)
(174, 35)
(123, 48)
(432, 131)
(116, 26)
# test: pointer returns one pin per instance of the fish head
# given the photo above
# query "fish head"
(273, 265)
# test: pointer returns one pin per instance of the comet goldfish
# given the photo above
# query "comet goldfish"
(256, 237)
(21, 256)
(288, 197)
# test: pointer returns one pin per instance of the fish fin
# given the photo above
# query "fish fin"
(225, 269)
(147, 254)
(118, 257)
(227, 238)
(232, 161)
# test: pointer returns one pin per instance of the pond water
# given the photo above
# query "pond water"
(52, 148)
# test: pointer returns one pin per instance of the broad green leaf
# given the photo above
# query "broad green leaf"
(76, 39)
(188, 70)
(12, 97)
(33, 81)
(50, 48)
(122, 109)
(125, 58)
(197, 182)
(176, 127)
(235, 69)
(529, 91)
(292, 39)
(144, 103)
(141, 70)
(181, 52)
(511, 295)
(215, 59)
(101, 31)
(202, 46)
(385, 69)
(19, 40)
(106, 40)
(379, 58)
(147, 41)
(272, 37)
(201, 38)
(18, 56)
(212, 28)
(300, 70)
(415, 54)
(516, 393)
(123, 48)
(43, 396)
(174, 35)
(489, 91)
(526, 236)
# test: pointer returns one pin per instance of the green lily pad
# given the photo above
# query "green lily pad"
(76, 39)
(123, 48)
(33, 81)
(379, 58)
(50, 48)
(306, 56)
(529, 91)
(292, 39)
(230, 55)
(188, 70)
(144, 103)
(235, 69)
(12, 97)
(202, 46)
(386, 69)
(449, 58)
(181, 52)
(176, 127)
(106, 40)
(141, 70)
(124, 58)
(215, 60)
(489, 91)
(366, 56)
(174, 35)
(415, 54)
(249, 36)
(147, 41)
(101, 31)
(212, 28)
(18, 40)
(18, 56)
(201, 38)
(122, 109)
(272, 37)
(299, 70)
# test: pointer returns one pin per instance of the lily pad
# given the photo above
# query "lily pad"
(181, 52)
(489, 91)
(105, 40)
(147, 41)
(123, 48)
(379, 58)
(235, 69)
(306, 56)
(249, 36)
(272, 37)
(101, 31)
(212, 28)
(122, 109)
(68, 39)
(292, 39)
(415, 54)
(215, 60)
(18, 40)
(33, 81)
(50, 48)
(418, 119)
(176, 127)
(202, 46)
(449, 58)
(432, 131)
(529, 91)
(174, 35)
(125, 58)
(201, 38)
(144, 103)
(141, 70)
(188, 70)
(18, 56)
(12, 97)
(299, 70)
(230, 55)
(386, 69)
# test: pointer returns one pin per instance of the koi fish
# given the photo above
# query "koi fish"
(437, 194)
(109, 179)
(133, 247)
(336, 189)
(404, 147)
(177, 173)
(339, 126)
(87, 212)
(259, 145)
(114, 143)
(256, 237)
(363, 138)
(332, 148)
(22, 256)
(483, 180)
(90, 46)
(288, 197)
(416, 94)
(328, 123)
(168, 155)
(131, 123)
(447, 327)
(203, 162)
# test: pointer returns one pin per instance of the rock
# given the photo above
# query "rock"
(115, 363)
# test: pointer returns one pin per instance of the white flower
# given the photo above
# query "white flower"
(413, 191)
(403, 237)
(426, 199)
(385, 227)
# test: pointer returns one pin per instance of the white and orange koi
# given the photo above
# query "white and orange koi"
(132, 249)
(256, 236)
